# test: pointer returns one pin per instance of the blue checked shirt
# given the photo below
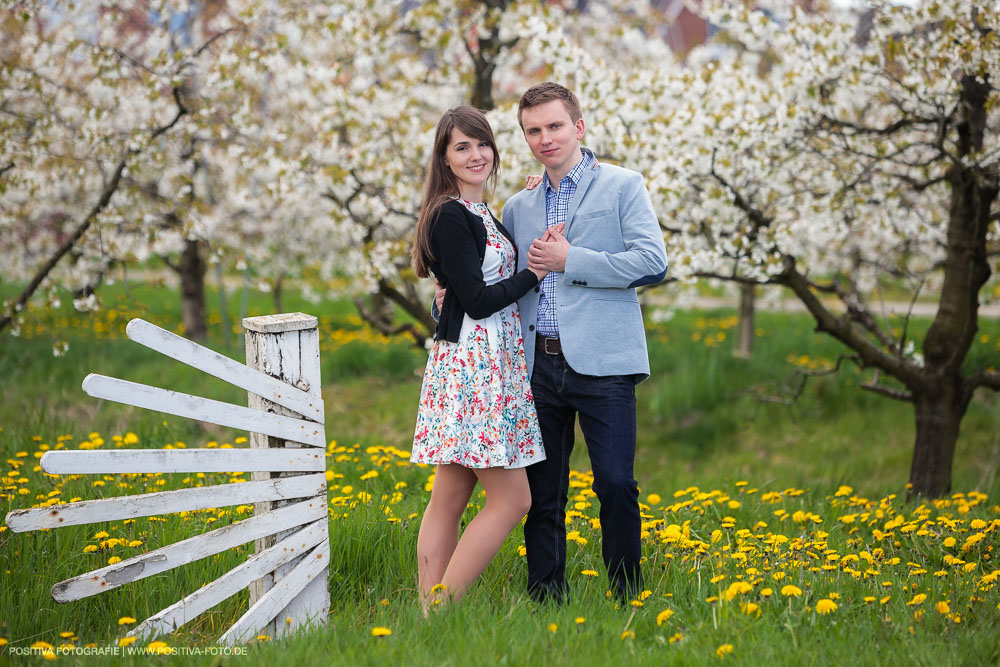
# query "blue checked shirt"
(556, 208)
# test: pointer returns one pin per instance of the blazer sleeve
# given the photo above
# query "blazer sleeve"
(459, 259)
(644, 260)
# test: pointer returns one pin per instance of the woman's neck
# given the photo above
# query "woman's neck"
(471, 194)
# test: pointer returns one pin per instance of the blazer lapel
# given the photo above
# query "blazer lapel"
(588, 177)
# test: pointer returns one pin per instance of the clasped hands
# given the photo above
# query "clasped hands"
(547, 253)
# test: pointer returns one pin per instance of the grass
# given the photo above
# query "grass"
(721, 474)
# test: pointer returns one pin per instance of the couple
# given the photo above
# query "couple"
(569, 320)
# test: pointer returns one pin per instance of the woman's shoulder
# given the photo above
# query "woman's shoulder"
(451, 214)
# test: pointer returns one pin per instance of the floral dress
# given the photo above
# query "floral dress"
(476, 407)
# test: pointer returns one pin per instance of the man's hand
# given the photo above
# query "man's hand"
(549, 233)
(438, 295)
(549, 255)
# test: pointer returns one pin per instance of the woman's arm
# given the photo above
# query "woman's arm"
(455, 245)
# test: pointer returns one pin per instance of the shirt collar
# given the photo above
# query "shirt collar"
(576, 173)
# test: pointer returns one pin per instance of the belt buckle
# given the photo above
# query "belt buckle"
(545, 345)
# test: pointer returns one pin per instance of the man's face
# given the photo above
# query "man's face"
(553, 137)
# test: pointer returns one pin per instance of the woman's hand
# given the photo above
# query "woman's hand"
(532, 181)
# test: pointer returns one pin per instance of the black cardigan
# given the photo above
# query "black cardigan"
(458, 245)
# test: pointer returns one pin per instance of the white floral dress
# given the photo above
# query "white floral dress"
(476, 407)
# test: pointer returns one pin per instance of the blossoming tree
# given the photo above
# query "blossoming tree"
(836, 159)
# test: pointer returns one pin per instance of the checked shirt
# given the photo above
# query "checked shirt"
(556, 208)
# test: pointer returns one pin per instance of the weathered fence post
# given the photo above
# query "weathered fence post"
(285, 347)
(288, 489)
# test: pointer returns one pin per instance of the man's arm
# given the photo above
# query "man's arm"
(643, 262)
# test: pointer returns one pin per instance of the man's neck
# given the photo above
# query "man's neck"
(555, 178)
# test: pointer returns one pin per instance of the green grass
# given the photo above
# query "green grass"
(702, 424)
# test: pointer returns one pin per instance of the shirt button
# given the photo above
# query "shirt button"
(538, 289)
(531, 327)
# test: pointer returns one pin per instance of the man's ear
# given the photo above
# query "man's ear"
(580, 128)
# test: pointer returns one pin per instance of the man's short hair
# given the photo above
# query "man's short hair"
(546, 92)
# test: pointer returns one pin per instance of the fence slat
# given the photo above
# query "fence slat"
(277, 598)
(188, 551)
(204, 409)
(94, 461)
(232, 582)
(166, 502)
(224, 368)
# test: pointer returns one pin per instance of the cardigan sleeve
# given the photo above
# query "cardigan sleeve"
(458, 255)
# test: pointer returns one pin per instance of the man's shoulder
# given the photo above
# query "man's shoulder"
(614, 173)
(517, 200)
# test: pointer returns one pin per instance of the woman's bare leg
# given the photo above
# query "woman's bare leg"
(507, 501)
(453, 486)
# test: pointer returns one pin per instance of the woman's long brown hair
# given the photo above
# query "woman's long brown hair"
(441, 183)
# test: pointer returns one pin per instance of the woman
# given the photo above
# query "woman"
(476, 420)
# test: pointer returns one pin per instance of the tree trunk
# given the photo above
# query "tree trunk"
(276, 293)
(744, 344)
(192, 270)
(944, 396)
(939, 416)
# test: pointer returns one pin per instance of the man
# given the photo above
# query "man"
(584, 341)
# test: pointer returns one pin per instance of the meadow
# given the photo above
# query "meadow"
(776, 522)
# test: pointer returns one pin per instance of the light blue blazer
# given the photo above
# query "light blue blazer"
(616, 246)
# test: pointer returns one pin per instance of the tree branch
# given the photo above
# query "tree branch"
(109, 189)
(988, 379)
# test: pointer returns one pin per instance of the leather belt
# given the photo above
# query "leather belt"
(548, 345)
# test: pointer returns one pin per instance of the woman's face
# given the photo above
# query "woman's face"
(471, 160)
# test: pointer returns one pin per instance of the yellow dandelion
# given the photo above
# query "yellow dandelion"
(767, 592)
(4, 641)
(664, 616)
(628, 634)
(588, 573)
(917, 599)
(90, 548)
(159, 647)
(825, 606)
(553, 627)
(791, 591)
(113, 560)
(653, 499)
(580, 620)
(126, 620)
(723, 651)
(942, 607)
(949, 542)
(381, 632)
(676, 637)
(127, 641)
(751, 608)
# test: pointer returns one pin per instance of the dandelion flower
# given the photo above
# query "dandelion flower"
(381, 632)
(664, 616)
(791, 590)
(580, 620)
(653, 499)
(588, 573)
(949, 542)
(159, 647)
(942, 607)
(628, 634)
(127, 641)
(126, 620)
(917, 599)
(825, 606)
(553, 627)
(751, 608)
(723, 651)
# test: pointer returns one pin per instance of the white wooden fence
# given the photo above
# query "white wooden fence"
(288, 573)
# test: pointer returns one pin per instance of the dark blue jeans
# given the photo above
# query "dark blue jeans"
(606, 406)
